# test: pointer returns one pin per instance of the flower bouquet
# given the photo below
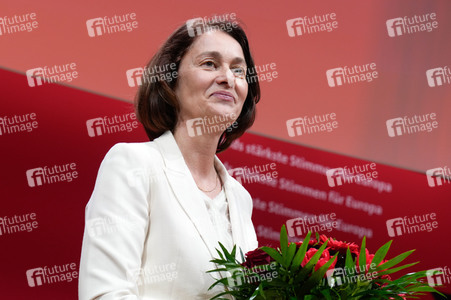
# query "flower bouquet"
(320, 268)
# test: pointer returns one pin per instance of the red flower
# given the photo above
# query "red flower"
(257, 257)
(324, 258)
(339, 245)
(334, 245)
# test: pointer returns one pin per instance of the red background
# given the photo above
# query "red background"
(300, 89)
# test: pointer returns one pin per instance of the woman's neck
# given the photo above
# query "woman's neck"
(198, 151)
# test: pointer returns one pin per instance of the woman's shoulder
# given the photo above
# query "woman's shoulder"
(137, 152)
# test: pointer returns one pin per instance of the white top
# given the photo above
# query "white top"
(218, 209)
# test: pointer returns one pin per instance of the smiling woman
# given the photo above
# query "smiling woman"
(160, 95)
(178, 219)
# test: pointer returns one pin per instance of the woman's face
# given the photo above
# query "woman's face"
(211, 78)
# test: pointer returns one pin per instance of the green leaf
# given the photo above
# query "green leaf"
(362, 256)
(300, 254)
(227, 254)
(242, 255)
(290, 254)
(311, 263)
(380, 254)
(394, 261)
(317, 276)
(283, 241)
(326, 294)
(274, 254)
(349, 262)
(390, 271)
(258, 292)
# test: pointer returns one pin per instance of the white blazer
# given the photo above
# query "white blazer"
(148, 234)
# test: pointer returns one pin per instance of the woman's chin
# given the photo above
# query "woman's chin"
(225, 110)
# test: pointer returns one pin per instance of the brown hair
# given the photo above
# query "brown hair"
(156, 104)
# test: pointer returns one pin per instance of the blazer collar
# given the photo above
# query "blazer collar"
(186, 192)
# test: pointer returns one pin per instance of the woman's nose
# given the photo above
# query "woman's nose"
(226, 76)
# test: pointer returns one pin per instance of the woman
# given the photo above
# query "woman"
(159, 209)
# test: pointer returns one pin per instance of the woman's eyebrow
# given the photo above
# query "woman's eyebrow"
(217, 55)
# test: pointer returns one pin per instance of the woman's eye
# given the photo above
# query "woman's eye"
(208, 63)
(239, 71)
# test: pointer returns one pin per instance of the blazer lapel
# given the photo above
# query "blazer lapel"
(185, 189)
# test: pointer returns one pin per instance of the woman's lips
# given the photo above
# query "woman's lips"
(223, 95)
